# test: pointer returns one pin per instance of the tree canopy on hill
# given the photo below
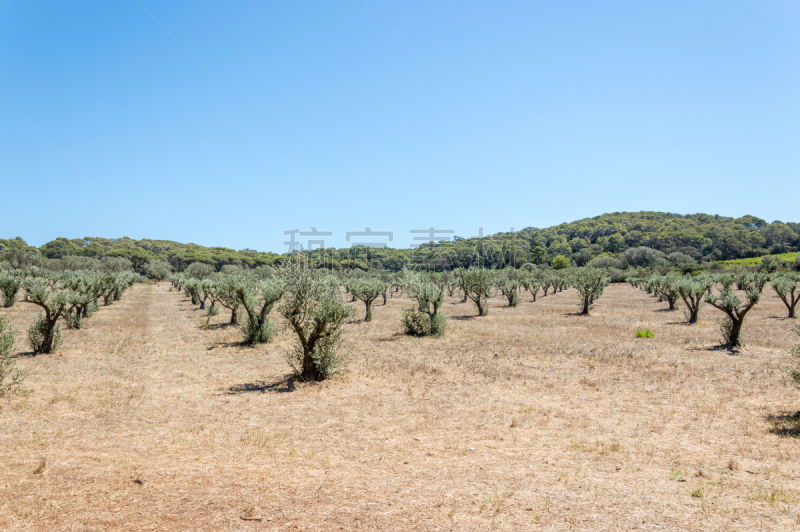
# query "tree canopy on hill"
(608, 236)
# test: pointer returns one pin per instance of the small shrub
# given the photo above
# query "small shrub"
(425, 320)
(258, 333)
(416, 323)
(647, 333)
(794, 367)
(9, 286)
(10, 377)
(37, 336)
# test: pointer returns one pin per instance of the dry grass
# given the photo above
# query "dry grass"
(530, 418)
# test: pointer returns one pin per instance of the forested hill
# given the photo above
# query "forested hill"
(702, 237)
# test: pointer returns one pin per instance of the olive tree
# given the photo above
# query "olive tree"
(313, 307)
(199, 270)
(85, 288)
(477, 284)
(547, 280)
(460, 282)
(531, 283)
(191, 287)
(787, 286)
(20, 259)
(425, 320)
(226, 294)
(158, 270)
(10, 377)
(590, 283)
(367, 290)
(666, 287)
(53, 298)
(734, 308)
(794, 367)
(692, 291)
(9, 285)
(509, 287)
(115, 264)
(258, 297)
(116, 284)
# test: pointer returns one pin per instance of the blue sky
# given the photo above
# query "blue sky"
(251, 118)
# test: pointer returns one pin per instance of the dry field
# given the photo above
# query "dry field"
(529, 419)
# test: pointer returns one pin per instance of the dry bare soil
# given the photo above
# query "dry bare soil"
(531, 418)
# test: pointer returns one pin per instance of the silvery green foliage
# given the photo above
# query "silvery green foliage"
(75, 263)
(9, 285)
(10, 376)
(680, 259)
(770, 264)
(85, 287)
(477, 285)
(734, 308)
(531, 283)
(787, 286)
(508, 285)
(642, 257)
(665, 287)
(232, 269)
(54, 298)
(590, 283)
(257, 297)
(115, 264)
(425, 320)
(158, 270)
(367, 290)
(22, 259)
(191, 287)
(794, 358)
(693, 291)
(199, 270)
(44, 337)
(605, 261)
(226, 294)
(313, 308)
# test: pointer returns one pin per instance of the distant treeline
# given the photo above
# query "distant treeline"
(677, 239)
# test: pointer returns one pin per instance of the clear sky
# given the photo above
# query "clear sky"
(227, 123)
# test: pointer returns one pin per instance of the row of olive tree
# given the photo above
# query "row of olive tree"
(70, 296)
(734, 294)
(308, 300)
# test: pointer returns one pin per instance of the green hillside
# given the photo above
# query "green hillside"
(702, 237)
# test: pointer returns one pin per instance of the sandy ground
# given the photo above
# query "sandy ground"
(531, 418)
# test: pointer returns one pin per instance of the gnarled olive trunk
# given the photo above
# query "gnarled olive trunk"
(310, 371)
(735, 338)
(587, 302)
